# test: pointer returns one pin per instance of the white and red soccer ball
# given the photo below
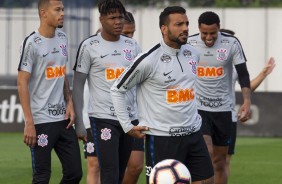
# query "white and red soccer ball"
(170, 171)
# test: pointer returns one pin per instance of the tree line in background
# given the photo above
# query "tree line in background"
(190, 3)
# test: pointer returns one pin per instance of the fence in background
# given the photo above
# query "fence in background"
(18, 23)
(258, 30)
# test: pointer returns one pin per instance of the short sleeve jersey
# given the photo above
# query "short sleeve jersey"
(214, 71)
(104, 61)
(45, 59)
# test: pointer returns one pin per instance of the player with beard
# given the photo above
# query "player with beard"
(165, 78)
(218, 53)
(101, 58)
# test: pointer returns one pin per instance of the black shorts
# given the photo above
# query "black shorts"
(64, 141)
(89, 148)
(217, 125)
(231, 149)
(138, 144)
(113, 148)
(191, 150)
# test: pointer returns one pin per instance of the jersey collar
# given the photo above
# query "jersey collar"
(169, 50)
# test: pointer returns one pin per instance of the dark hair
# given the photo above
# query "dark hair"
(128, 18)
(209, 18)
(163, 19)
(42, 3)
(110, 6)
(227, 31)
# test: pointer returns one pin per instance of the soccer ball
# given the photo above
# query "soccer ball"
(170, 171)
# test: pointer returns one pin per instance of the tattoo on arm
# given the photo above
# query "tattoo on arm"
(67, 93)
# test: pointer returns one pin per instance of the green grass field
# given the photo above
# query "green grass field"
(257, 161)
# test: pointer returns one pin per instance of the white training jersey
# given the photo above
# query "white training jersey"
(45, 59)
(104, 61)
(165, 80)
(234, 80)
(214, 71)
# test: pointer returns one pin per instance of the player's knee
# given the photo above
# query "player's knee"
(72, 176)
(93, 169)
(40, 177)
(93, 164)
(219, 164)
(135, 169)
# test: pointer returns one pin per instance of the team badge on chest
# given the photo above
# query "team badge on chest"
(64, 50)
(128, 55)
(42, 140)
(221, 54)
(106, 134)
(193, 65)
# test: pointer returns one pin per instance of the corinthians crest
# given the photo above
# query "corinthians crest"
(166, 58)
(128, 55)
(187, 53)
(64, 50)
(221, 54)
(42, 140)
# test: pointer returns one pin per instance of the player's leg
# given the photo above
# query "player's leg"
(231, 149)
(93, 170)
(222, 122)
(106, 139)
(134, 167)
(207, 130)
(227, 166)
(68, 151)
(219, 162)
(44, 145)
(125, 148)
(159, 148)
(198, 160)
(136, 161)
(191, 150)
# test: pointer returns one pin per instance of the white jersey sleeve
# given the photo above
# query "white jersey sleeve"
(238, 54)
(83, 58)
(133, 75)
(27, 55)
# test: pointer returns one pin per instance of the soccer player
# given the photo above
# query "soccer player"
(267, 69)
(45, 97)
(129, 25)
(101, 59)
(165, 78)
(93, 171)
(218, 53)
(136, 160)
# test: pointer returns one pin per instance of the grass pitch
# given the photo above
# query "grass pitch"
(256, 161)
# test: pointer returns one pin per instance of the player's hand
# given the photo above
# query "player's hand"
(137, 132)
(82, 137)
(29, 134)
(70, 114)
(269, 66)
(244, 112)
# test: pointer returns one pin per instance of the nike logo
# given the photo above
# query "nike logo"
(44, 55)
(165, 74)
(104, 56)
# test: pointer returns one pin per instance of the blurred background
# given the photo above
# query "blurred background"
(257, 24)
